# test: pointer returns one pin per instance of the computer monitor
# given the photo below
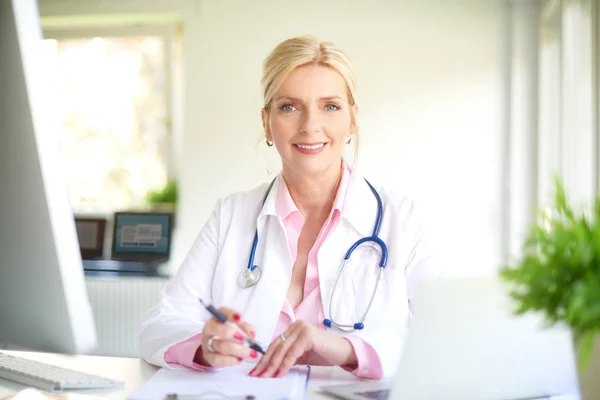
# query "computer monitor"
(142, 236)
(43, 301)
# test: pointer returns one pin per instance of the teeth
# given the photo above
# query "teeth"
(311, 147)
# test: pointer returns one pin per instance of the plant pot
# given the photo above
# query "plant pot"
(589, 377)
(163, 207)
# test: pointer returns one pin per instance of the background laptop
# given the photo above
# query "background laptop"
(465, 343)
(140, 243)
(142, 236)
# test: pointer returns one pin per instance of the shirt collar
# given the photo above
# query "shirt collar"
(358, 205)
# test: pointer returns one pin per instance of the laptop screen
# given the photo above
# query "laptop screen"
(142, 236)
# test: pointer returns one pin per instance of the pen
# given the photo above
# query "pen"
(221, 317)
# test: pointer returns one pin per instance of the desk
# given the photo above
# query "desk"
(134, 372)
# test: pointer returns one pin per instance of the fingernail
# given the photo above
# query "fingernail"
(253, 369)
(252, 334)
(253, 353)
(276, 374)
(237, 317)
(239, 336)
(240, 359)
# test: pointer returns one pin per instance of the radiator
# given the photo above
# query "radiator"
(119, 304)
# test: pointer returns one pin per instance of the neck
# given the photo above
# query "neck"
(314, 195)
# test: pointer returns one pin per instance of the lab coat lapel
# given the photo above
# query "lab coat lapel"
(360, 206)
(274, 258)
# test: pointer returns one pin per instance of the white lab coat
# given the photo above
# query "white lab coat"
(221, 251)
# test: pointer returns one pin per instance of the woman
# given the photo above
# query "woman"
(305, 220)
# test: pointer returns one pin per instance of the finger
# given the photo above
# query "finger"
(220, 360)
(216, 328)
(233, 348)
(247, 328)
(292, 356)
(236, 318)
(213, 354)
(289, 350)
(265, 360)
(232, 315)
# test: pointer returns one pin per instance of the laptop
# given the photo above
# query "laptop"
(141, 244)
(466, 343)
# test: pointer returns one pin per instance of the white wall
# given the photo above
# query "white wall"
(432, 92)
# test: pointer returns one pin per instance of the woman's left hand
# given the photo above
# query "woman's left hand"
(306, 343)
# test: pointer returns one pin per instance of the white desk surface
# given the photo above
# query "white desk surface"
(134, 372)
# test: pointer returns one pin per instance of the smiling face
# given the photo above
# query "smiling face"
(310, 120)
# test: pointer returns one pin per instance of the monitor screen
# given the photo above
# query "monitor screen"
(142, 236)
(44, 304)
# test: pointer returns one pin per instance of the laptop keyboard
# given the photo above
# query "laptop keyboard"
(375, 394)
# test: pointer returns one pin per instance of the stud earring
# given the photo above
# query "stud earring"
(269, 143)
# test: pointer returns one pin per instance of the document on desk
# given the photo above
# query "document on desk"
(223, 383)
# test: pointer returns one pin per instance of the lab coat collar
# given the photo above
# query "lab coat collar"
(269, 207)
(360, 206)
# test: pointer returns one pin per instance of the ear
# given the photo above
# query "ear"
(355, 112)
(265, 121)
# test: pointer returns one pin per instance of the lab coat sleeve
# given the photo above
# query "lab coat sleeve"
(178, 316)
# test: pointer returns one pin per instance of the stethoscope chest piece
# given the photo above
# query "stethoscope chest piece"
(249, 278)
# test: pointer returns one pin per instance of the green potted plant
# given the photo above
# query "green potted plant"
(164, 199)
(558, 274)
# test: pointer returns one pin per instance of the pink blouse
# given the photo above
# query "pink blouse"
(311, 307)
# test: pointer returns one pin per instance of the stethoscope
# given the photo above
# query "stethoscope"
(252, 273)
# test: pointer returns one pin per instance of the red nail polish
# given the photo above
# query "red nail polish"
(276, 374)
(239, 336)
(253, 369)
(240, 359)
(237, 317)
(253, 353)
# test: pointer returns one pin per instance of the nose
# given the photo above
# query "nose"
(310, 121)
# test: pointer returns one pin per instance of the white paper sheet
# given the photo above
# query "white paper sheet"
(225, 383)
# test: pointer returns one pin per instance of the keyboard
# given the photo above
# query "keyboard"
(50, 377)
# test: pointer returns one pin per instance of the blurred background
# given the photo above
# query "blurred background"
(469, 106)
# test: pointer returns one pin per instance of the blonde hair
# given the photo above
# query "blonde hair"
(302, 50)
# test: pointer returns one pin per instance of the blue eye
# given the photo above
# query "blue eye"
(286, 107)
(331, 107)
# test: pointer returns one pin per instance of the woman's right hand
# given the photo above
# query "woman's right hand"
(227, 346)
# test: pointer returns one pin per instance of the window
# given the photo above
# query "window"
(568, 101)
(111, 95)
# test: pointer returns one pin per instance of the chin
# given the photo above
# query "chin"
(312, 167)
